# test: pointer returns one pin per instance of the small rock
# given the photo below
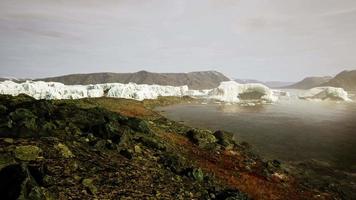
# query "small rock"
(88, 183)
(137, 149)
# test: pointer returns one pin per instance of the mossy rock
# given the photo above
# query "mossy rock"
(27, 152)
(39, 193)
(202, 138)
(24, 118)
(64, 150)
(152, 142)
(138, 125)
(175, 162)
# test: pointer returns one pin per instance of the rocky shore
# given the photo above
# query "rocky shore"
(104, 148)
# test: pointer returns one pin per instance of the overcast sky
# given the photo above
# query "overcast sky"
(259, 39)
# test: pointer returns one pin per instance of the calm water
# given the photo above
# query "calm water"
(291, 130)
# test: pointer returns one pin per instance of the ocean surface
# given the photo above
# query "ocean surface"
(290, 130)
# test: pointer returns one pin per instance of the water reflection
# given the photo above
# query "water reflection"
(291, 130)
(239, 109)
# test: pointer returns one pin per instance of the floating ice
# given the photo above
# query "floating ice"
(231, 91)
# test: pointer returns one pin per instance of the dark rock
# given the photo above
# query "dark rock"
(11, 179)
(17, 182)
(138, 125)
(3, 109)
(127, 153)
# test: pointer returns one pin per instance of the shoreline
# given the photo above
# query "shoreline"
(146, 141)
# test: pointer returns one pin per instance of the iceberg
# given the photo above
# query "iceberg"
(326, 93)
(233, 92)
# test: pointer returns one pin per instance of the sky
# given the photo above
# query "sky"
(256, 39)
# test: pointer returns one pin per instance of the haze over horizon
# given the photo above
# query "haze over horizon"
(270, 40)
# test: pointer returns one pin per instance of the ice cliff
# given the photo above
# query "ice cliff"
(53, 90)
(229, 91)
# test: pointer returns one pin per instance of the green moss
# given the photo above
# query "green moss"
(202, 138)
(27, 153)
(198, 174)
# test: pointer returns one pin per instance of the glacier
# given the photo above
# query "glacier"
(229, 91)
(325, 93)
(54, 90)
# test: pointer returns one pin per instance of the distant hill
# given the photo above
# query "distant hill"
(194, 80)
(345, 79)
(271, 84)
(309, 82)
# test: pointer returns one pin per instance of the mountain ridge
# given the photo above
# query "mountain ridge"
(345, 79)
(194, 80)
(309, 82)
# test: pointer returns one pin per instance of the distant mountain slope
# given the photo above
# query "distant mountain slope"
(271, 84)
(345, 79)
(310, 82)
(195, 80)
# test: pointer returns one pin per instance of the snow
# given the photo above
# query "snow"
(231, 91)
(326, 93)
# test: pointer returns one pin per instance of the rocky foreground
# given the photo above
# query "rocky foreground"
(120, 149)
